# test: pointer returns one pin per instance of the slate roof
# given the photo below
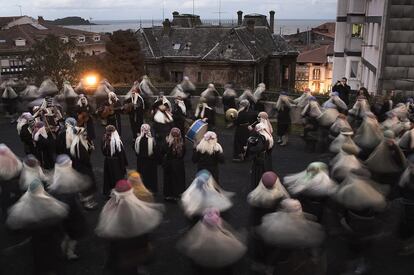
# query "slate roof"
(318, 55)
(214, 43)
(7, 19)
(31, 34)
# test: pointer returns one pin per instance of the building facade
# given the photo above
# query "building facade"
(373, 45)
(314, 70)
(18, 34)
(245, 55)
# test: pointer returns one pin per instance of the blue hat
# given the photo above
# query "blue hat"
(71, 121)
(312, 98)
(61, 159)
(410, 100)
(283, 93)
(36, 183)
(410, 159)
(335, 94)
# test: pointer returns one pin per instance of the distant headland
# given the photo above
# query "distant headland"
(71, 20)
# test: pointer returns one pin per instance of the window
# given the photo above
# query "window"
(302, 76)
(81, 39)
(357, 30)
(286, 73)
(20, 42)
(97, 38)
(176, 46)
(187, 46)
(316, 74)
(64, 39)
(199, 77)
(354, 69)
(176, 76)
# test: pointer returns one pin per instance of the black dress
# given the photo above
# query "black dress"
(210, 115)
(82, 164)
(161, 131)
(136, 116)
(242, 133)
(174, 172)
(260, 154)
(283, 121)
(114, 168)
(115, 118)
(74, 225)
(179, 118)
(27, 139)
(45, 152)
(125, 255)
(147, 165)
(229, 102)
(208, 162)
(61, 143)
(90, 125)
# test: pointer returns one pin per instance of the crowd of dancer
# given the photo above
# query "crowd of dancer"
(45, 194)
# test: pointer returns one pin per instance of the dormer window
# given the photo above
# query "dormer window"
(187, 46)
(20, 42)
(176, 46)
(81, 39)
(64, 39)
(96, 38)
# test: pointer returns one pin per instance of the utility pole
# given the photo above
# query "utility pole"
(193, 8)
(90, 24)
(163, 10)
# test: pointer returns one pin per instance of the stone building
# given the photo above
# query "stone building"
(18, 34)
(373, 44)
(321, 35)
(245, 55)
(314, 70)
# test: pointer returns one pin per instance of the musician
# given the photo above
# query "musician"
(145, 150)
(163, 120)
(115, 159)
(179, 113)
(44, 145)
(335, 102)
(146, 87)
(134, 106)
(50, 114)
(111, 112)
(245, 118)
(259, 150)
(208, 154)
(84, 116)
(25, 125)
(206, 113)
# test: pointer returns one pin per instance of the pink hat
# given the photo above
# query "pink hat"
(123, 186)
(269, 179)
(212, 217)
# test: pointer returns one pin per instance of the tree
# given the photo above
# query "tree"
(123, 61)
(51, 57)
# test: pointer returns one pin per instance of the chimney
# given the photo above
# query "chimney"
(40, 20)
(166, 26)
(297, 31)
(250, 25)
(239, 18)
(272, 21)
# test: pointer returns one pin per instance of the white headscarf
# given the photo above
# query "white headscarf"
(82, 97)
(79, 139)
(262, 129)
(209, 144)
(112, 98)
(10, 165)
(145, 132)
(115, 143)
(261, 88)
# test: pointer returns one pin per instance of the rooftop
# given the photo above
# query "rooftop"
(317, 56)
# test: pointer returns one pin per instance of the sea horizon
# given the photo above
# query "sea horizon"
(282, 26)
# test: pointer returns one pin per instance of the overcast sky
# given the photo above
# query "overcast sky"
(152, 9)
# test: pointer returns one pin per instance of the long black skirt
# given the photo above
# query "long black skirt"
(113, 172)
(174, 178)
(147, 167)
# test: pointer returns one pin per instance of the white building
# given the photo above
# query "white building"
(373, 44)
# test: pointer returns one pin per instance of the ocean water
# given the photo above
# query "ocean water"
(282, 26)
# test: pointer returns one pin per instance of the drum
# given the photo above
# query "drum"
(197, 131)
(231, 114)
